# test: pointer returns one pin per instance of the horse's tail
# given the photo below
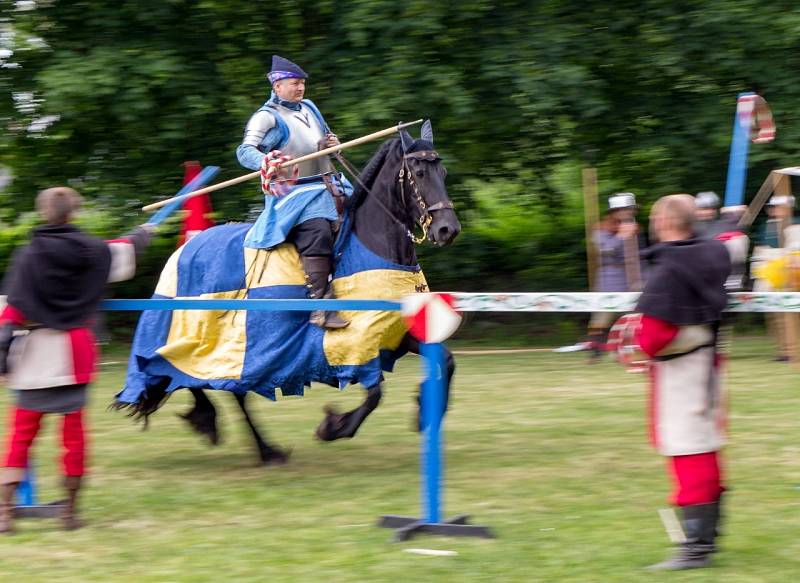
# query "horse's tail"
(150, 402)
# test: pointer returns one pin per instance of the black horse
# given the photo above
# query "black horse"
(401, 190)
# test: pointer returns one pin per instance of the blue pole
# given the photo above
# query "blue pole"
(269, 305)
(199, 181)
(432, 413)
(26, 491)
(737, 163)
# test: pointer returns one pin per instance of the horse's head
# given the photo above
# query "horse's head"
(422, 188)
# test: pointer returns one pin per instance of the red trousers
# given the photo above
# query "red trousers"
(696, 478)
(25, 424)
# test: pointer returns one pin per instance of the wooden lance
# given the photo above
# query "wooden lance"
(288, 163)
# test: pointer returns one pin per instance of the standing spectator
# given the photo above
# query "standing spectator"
(616, 239)
(54, 286)
(773, 242)
(707, 224)
(681, 307)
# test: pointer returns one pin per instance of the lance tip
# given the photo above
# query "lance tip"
(401, 125)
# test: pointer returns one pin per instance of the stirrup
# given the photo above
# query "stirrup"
(329, 320)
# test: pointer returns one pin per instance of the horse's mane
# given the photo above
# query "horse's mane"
(373, 168)
(369, 174)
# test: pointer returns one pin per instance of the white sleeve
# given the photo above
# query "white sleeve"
(123, 261)
(791, 238)
(738, 247)
(124, 252)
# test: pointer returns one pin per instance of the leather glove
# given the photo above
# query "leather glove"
(329, 141)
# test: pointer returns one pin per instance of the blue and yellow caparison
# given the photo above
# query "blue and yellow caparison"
(263, 351)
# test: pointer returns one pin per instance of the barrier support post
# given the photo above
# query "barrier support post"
(432, 399)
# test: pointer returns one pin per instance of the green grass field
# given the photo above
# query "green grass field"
(547, 451)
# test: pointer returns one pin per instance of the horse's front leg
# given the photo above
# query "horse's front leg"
(203, 416)
(345, 425)
(269, 454)
(411, 344)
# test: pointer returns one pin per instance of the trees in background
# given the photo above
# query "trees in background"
(112, 96)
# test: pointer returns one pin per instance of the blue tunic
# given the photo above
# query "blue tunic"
(303, 203)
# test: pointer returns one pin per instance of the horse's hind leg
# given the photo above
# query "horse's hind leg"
(269, 455)
(203, 416)
(345, 425)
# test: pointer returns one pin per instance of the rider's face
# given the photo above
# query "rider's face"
(290, 89)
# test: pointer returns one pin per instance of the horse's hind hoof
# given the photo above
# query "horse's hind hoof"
(330, 427)
(275, 457)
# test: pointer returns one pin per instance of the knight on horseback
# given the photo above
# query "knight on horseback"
(304, 208)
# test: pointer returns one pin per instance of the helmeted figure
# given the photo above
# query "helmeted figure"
(617, 242)
(617, 227)
(713, 222)
(301, 210)
(707, 224)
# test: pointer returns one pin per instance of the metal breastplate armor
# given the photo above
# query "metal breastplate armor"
(304, 135)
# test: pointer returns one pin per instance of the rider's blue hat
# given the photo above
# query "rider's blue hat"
(285, 69)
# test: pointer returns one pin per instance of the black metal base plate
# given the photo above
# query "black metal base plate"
(407, 527)
(52, 510)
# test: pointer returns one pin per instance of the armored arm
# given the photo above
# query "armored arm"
(249, 153)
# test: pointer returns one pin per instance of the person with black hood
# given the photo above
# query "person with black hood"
(681, 306)
(54, 286)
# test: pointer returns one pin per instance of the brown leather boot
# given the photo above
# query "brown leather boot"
(7, 508)
(318, 270)
(9, 481)
(70, 516)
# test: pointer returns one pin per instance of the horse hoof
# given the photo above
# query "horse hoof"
(324, 431)
(275, 457)
(330, 428)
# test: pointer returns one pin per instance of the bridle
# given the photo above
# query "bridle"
(425, 217)
(405, 173)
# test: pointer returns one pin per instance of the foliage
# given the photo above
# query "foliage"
(515, 239)
(112, 96)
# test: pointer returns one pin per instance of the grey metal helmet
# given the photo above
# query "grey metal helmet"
(621, 200)
(707, 200)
